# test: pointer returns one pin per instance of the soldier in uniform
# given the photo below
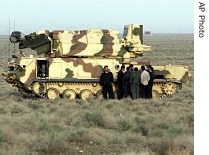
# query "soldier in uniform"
(134, 82)
(120, 82)
(106, 80)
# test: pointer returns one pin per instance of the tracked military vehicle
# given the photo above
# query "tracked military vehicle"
(69, 63)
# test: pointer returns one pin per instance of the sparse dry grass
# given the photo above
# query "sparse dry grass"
(126, 127)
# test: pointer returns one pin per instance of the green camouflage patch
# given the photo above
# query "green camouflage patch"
(69, 73)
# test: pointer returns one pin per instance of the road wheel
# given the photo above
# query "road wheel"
(69, 94)
(170, 88)
(155, 94)
(38, 87)
(85, 94)
(52, 93)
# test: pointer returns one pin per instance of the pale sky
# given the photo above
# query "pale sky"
(157, 16)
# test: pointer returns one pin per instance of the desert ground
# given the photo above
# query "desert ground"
(113, 127)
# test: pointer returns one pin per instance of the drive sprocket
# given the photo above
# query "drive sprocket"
(170, 88)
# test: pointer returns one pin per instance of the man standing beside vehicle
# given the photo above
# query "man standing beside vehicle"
(126, 83)
(120, 82)
(106, 80)
(150, 69)
(145, 77)
(134, 82)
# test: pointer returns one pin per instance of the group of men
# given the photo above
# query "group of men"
(131, 82)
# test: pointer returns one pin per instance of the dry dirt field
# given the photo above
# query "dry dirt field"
(125, 127)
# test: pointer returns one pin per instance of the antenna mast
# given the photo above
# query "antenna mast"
(14, 30)
(9, 33)
(14, 24)
(9, 41)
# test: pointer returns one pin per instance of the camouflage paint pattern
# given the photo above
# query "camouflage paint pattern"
(175, 72)
(87, 68)
(76, 56)
(86, 43)
(26, 70)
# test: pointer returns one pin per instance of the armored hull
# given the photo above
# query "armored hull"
(79, 77)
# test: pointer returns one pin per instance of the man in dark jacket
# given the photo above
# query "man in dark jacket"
(120, 82)
(106, 80)
(150, 69)
(126, 83)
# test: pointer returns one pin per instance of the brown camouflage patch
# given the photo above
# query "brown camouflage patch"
(55, 34)
(98, 71)
(78, 46)
(87, 67)
(58, 54)
(107, 41)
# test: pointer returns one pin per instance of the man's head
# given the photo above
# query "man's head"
(106, 69)
(127, 68)
(122, 67)
(149, 66)
(142, 68)
(135, 69)
(131, 66)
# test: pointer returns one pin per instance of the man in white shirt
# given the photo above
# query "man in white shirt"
(145, 77)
